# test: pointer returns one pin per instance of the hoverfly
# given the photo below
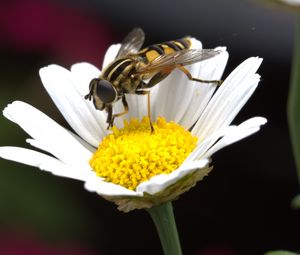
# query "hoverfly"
(136, 70)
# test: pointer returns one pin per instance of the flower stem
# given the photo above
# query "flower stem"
(294, 100)
(164, 220)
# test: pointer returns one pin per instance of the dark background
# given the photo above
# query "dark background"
(243, 207)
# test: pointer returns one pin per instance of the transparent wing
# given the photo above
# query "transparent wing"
(184, 57)
(132, 43)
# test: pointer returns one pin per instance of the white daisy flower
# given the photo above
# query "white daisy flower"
(132, 166)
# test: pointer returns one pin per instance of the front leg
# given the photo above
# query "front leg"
(147, 92)
(111, 118)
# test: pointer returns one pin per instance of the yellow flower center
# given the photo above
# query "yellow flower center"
(134, 154)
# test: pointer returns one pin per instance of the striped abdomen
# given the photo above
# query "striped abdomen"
(152, 52)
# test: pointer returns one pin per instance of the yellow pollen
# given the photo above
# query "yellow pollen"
(132, 155)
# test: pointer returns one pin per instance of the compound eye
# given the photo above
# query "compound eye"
(106, 91)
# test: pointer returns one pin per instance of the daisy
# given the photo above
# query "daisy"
(132, 166)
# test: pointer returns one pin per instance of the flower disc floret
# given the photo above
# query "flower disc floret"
(134, 154)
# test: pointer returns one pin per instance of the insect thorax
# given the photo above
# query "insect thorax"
(121, 74)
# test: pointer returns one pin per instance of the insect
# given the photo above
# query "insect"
(136, 70)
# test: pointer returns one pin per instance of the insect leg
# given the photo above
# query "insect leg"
(125, 104)
(153, 81)
(147, 92)
(109, 116)
(190, 77)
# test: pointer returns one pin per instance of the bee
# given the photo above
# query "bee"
(136, 70)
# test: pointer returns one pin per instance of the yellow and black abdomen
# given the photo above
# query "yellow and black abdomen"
(154, 51)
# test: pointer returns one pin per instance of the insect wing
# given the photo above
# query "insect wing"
(184, 57)
(132, 43)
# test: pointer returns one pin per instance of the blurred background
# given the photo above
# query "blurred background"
(243, 207)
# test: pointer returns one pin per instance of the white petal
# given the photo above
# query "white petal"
(196, 44)
(228, 136)
(204, 145)
(229, 99)
(51, 136)
(234, 133)
(137, 105)
(253, 122)
(182, 100)
(183, 94)
(111, 54)
(42, 161)
(245, 129)
(96, 184)
(82, 142)
(60, 85)
(82, 74)
(162, 181)
(173, 94)
(202, 92)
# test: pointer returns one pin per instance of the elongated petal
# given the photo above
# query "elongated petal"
(229, 99)
(82, 74)
(63, 90)
(173, 94)
(160, 182)
(196, 44)
(137, 105)
(228, 135)
(204, 145)
(51, 136)
(245, 129)
(175, 91)
(96, 184)
(42, 161)
(111, 54)
(202, 92)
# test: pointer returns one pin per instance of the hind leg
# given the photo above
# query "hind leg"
(190, 77)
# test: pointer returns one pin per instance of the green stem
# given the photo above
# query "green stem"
(164, 220)
(294, 100)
